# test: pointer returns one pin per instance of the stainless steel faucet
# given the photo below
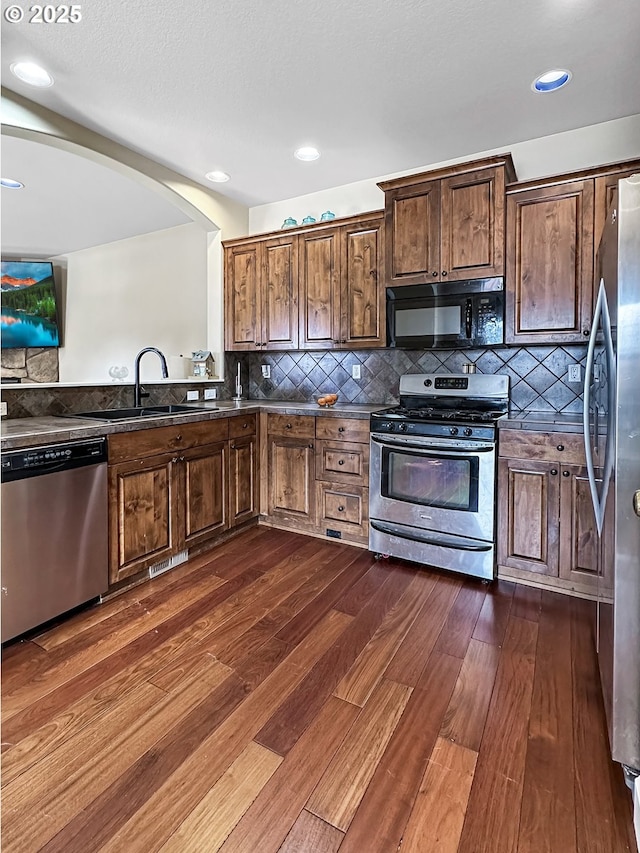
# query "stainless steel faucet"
(138, 393)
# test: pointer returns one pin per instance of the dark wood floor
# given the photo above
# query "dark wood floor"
(288, 694)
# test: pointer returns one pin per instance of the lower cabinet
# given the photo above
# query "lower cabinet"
(317, 475)
(177, 488)
(546, 524)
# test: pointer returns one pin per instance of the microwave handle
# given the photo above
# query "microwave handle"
(468, 316)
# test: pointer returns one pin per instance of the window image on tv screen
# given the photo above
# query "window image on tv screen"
(29, 310)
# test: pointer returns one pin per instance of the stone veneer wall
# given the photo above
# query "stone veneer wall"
(538, 379)
(36, 364)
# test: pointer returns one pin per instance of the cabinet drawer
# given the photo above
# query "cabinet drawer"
(343, 429)
(149, 442)
(242, 425)
(299, 426)
(342, 462)
(559, 447)
(344, 508)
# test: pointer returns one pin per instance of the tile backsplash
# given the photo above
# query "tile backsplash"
(538, 379)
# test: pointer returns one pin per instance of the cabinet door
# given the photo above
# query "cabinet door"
(241, 293)
(204, 511)
(472, 225)
(143, 526)
(243, 479)
(291, 480)
(528, 507)
(412, 234)
(579, 544)
(605, 187)
(550, 264)
(319, 289)
(362, 298)
(279, 293)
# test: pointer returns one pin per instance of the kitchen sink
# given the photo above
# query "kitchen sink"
(137, 412)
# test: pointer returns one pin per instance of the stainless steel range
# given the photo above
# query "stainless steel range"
(433, 471)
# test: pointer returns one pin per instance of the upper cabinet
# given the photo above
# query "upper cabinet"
(447, 225)
(317, 287)
(553, 230)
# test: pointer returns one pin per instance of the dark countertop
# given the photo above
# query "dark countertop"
(544, 421)
(29, 432)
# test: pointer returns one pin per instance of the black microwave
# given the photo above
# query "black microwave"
(449, 315)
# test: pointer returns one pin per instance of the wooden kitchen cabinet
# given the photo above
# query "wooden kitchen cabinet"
(167, 493)
(290, 470)
(261, 294)
(317, 287)
(447, 225)
(546, 526)
(243, 469)
(549, 289)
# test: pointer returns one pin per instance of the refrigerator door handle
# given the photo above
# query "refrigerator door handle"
(597, 509)
(609, 456)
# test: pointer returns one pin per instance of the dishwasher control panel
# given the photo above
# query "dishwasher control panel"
(39, 459)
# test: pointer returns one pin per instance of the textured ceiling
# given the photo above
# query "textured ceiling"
(379, 87)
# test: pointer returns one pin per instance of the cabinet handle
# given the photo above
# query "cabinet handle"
(181, 459)
(311, 447)
(289, 426)
(340, 429)
(174, 460)
(340, 509)
(343, 341)
(233, 446)
(444, 273)
(566, 473)
(586, 332)
(435, 274)
(636, 502)
(244, 426)
(340, 461)
(553, 472)
(560, 447)
(178, 437)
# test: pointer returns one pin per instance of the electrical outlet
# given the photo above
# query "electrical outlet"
(210, 393)
(574, 373)
(3, 409)
(355, 371)
(266, 371)
(192, 395)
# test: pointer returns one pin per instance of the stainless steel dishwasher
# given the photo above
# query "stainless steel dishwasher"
(54, 531)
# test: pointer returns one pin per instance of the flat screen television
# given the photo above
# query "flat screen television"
(29, 305)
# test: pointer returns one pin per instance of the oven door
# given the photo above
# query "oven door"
(445, 486)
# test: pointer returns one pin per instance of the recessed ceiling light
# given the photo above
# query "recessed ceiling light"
(551, 80)
(10, 184)
(306, 153)
(32, 74)
(217, 177)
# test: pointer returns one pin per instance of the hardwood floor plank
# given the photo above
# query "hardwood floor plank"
(414, 651)
(256, 666)
(379, 822)
(494, 616)
(355, 598)
(309, 833)
(547, 821)
(338, 794)
(465, 717)
(296, 712)
(597, 829)
(165, 810)
(360, 680)
(208, 825)
(436, 820)
(69, 781)
(129, 665)
(268, 821)
(104, 815)
(527, 602)
(493, 812)
(297, 627)
(461, 621)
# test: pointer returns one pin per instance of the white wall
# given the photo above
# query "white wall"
(123, 296)
(598, 144)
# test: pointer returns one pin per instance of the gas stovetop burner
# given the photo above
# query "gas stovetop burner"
(432, 413)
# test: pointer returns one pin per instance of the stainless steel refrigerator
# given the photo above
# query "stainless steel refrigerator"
(612, 442)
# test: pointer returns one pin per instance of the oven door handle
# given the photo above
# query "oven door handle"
(458, 448)
(419, 536)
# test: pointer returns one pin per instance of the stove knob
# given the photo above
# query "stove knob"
(403, 427)
(468, 431)
(454, 430)
(390, 427)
